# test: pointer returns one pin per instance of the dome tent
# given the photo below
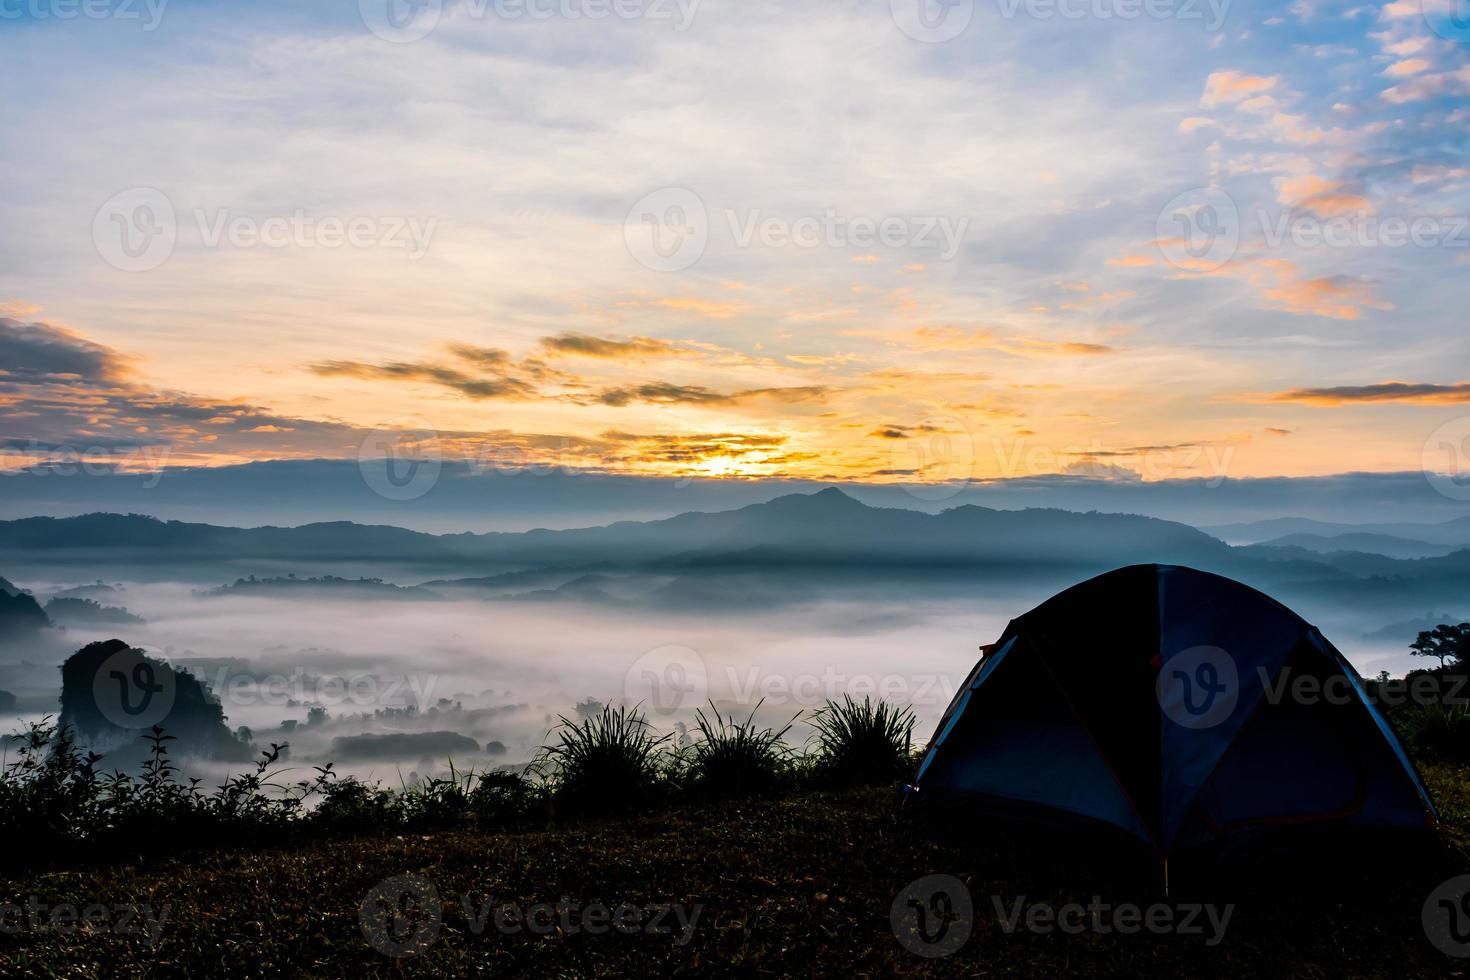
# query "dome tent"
(1178, 706)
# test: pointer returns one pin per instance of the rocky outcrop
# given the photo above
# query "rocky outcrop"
(112, 694)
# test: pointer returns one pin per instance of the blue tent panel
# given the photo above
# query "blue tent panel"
(1073, 712)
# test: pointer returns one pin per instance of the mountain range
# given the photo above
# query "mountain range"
(785, 548)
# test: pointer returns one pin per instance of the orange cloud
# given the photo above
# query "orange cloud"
(585, 345)
(1409, 66)
(1386, 391)
(955, 338)
(1321, 196)
(1335, 297)
(1228, 87)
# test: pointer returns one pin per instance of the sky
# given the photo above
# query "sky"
(866, 241)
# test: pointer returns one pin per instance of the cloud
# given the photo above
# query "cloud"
(1335, 297)
(612, 348)
(666, 393)
(1323, 197)
(490, 357)
(1282, 285)
(1409, 66)
(438, 374)
(1387, 391)
(1133, 261)
(1226, 87)
(475, 372)
(903, 431)
(1423, 87)
(1098, 470)
(629, 448)
(957, 338)
(40, 352)
(708, 308)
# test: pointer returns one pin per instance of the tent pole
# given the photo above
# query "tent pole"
(1166, 877)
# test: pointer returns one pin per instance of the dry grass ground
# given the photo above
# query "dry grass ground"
(799, 886)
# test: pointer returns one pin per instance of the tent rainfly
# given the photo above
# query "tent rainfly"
(1171, 703)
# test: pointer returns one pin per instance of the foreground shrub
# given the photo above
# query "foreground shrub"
(58, 802)
(351, 806)
(503, 798)
(863, 743)
(732, 759)
(1438, 732)
(609, 761)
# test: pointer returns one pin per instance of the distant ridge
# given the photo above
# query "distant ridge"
(820, 526)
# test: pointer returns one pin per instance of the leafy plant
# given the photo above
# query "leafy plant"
(607, 762)
(863, 743)
(732, 759)
(502, 798)
(1441, 732)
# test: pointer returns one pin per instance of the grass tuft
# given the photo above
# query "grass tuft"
(735, 759)
(609, 762)
(863, 743)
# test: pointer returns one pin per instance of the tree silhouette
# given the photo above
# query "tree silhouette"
(1451, 644)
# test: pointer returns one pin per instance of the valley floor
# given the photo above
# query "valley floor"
(800, 886)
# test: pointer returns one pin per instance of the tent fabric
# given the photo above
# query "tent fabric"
(1143, 698)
